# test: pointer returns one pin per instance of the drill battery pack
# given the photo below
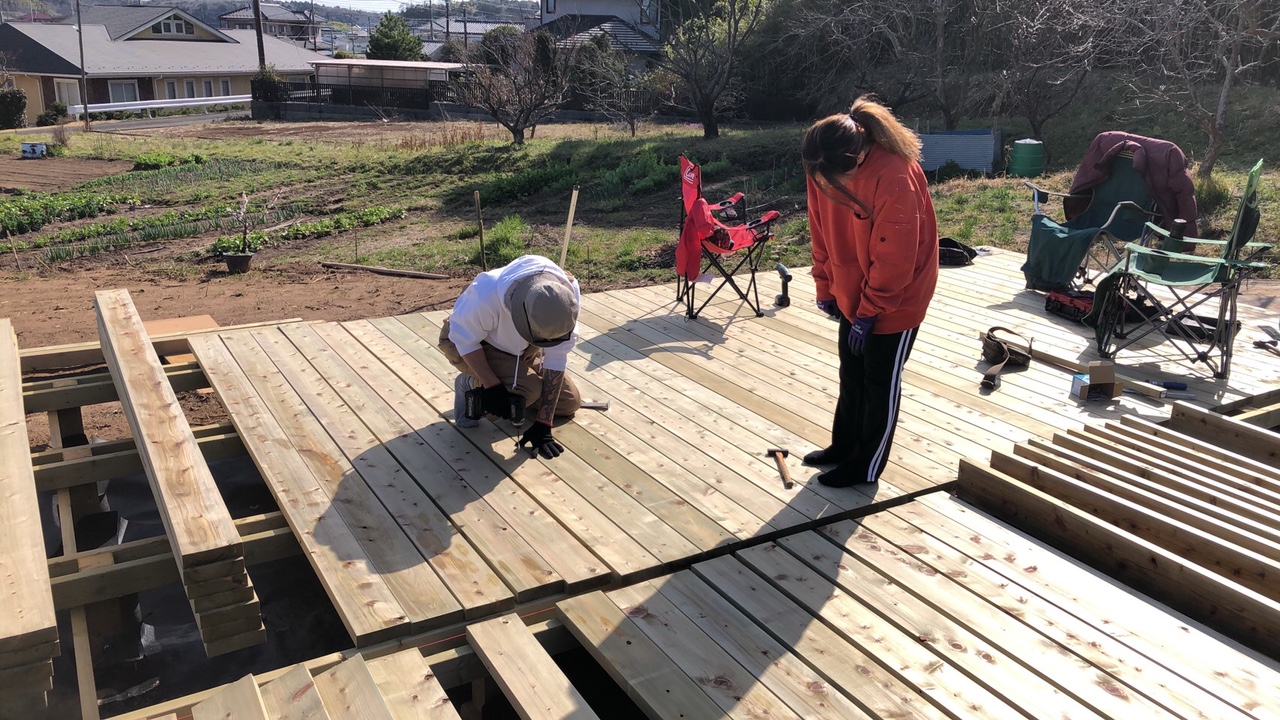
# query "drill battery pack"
(474, 405)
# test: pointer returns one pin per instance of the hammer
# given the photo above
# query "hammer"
(778, 454)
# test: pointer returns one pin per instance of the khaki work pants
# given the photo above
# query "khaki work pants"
(504, 365)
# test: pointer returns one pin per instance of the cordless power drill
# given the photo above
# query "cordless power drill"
(475, 407)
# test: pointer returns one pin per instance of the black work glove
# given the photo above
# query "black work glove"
(493, 400)
(539, 437)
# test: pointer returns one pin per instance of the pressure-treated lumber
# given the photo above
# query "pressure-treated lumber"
(367, 606)
(238, 701)
(535, 685)
(90, 353)
(349, 692)
(410, 688)
(196, 519)
(293, 696)
(1226, 432)
(385, 271)
(26, 601)
(1243, 614)
(647, 675)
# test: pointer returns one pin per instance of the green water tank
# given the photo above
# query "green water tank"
(1026, 159)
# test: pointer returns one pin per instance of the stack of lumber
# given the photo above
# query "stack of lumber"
(1188, 512)
(28, 628)
(201, 532)
(400, 686)
(1262, 409)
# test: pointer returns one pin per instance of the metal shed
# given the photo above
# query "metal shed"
(970, 149)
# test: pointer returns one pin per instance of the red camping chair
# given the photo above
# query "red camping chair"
(706, 242)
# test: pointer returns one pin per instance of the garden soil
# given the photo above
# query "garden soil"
(57, 308)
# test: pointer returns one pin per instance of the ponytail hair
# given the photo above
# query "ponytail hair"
(832, 145)
(885, 130)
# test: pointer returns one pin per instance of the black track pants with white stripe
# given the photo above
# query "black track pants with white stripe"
(870, 392)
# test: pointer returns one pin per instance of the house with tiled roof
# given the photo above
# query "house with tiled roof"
(277, 21)
(138, 54)
(640, 15)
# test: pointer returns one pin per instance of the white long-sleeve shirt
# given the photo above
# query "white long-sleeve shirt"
(481, 313)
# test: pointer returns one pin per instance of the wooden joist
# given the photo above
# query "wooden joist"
(535, 685)
(29, 629)
(1256, 443)
(1237, 611)
(202, 534)
(57, 357)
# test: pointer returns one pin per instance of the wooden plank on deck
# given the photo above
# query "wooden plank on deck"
(531, 680)
(196, 519)
(26, 601)
(238, 701)
(367, 606)
(410, 688)
(639, 667)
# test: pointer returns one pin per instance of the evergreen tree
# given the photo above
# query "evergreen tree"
(392, 40)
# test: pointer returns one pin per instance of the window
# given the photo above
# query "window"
(189, 87)
(156, 29)
(66, 92)
(188, 28)
(208, 88)
(226, 87)
(123, 91)
(550, 7)
(170, 90)
(168, 27)
(646, 12)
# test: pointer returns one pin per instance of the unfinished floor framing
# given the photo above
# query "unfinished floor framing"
(417, 528)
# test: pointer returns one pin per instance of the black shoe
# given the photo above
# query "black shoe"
(825, 456)
(843, 476)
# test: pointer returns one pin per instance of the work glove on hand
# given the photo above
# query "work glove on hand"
(538, 436)
(858, 334)
(494, 401)
(830, 307)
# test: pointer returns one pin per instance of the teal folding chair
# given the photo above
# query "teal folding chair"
(1188, 300)
(1071, 254)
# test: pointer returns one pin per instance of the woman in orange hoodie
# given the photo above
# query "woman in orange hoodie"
(875, 264)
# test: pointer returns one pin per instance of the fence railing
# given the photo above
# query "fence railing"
(160, 104)
(358, 95)
(642, 101)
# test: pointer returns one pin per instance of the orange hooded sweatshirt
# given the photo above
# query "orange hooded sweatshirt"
(880, 257)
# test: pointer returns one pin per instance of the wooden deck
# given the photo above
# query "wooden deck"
(926, 610)
(414, 526)
(349, 425)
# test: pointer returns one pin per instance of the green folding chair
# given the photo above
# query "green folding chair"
(1068, 255)
(1188, 300)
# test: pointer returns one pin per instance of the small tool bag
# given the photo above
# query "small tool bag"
(999, 353)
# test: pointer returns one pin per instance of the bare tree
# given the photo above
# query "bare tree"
(903, 50)
(703, 55)
(519, 79)
(1050, 48)
(1191, 54)
(614, 87)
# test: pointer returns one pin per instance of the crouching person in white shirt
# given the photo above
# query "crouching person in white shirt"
(511, 331)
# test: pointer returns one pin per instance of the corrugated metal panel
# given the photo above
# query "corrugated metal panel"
(972, 150)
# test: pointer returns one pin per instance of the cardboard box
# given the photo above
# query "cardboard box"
(1098, 384)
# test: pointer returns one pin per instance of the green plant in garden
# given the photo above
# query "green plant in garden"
(32, 211)
(243, 244)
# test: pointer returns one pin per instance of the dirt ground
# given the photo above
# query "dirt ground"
(58, 309)
(53, 174)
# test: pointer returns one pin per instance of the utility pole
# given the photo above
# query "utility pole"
(313, 28)
(447, 23)
(257, 27)
(84, 75)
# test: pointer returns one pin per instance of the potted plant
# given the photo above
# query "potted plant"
(238, 250)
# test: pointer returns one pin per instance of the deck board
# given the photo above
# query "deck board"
(675, 470)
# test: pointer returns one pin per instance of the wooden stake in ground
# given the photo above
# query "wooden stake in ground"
(568, 226)
(484, 262)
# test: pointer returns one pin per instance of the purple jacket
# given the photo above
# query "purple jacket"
(1159, 162)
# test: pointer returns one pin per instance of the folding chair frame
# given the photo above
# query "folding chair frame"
(1208, 338)
(686, 289)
